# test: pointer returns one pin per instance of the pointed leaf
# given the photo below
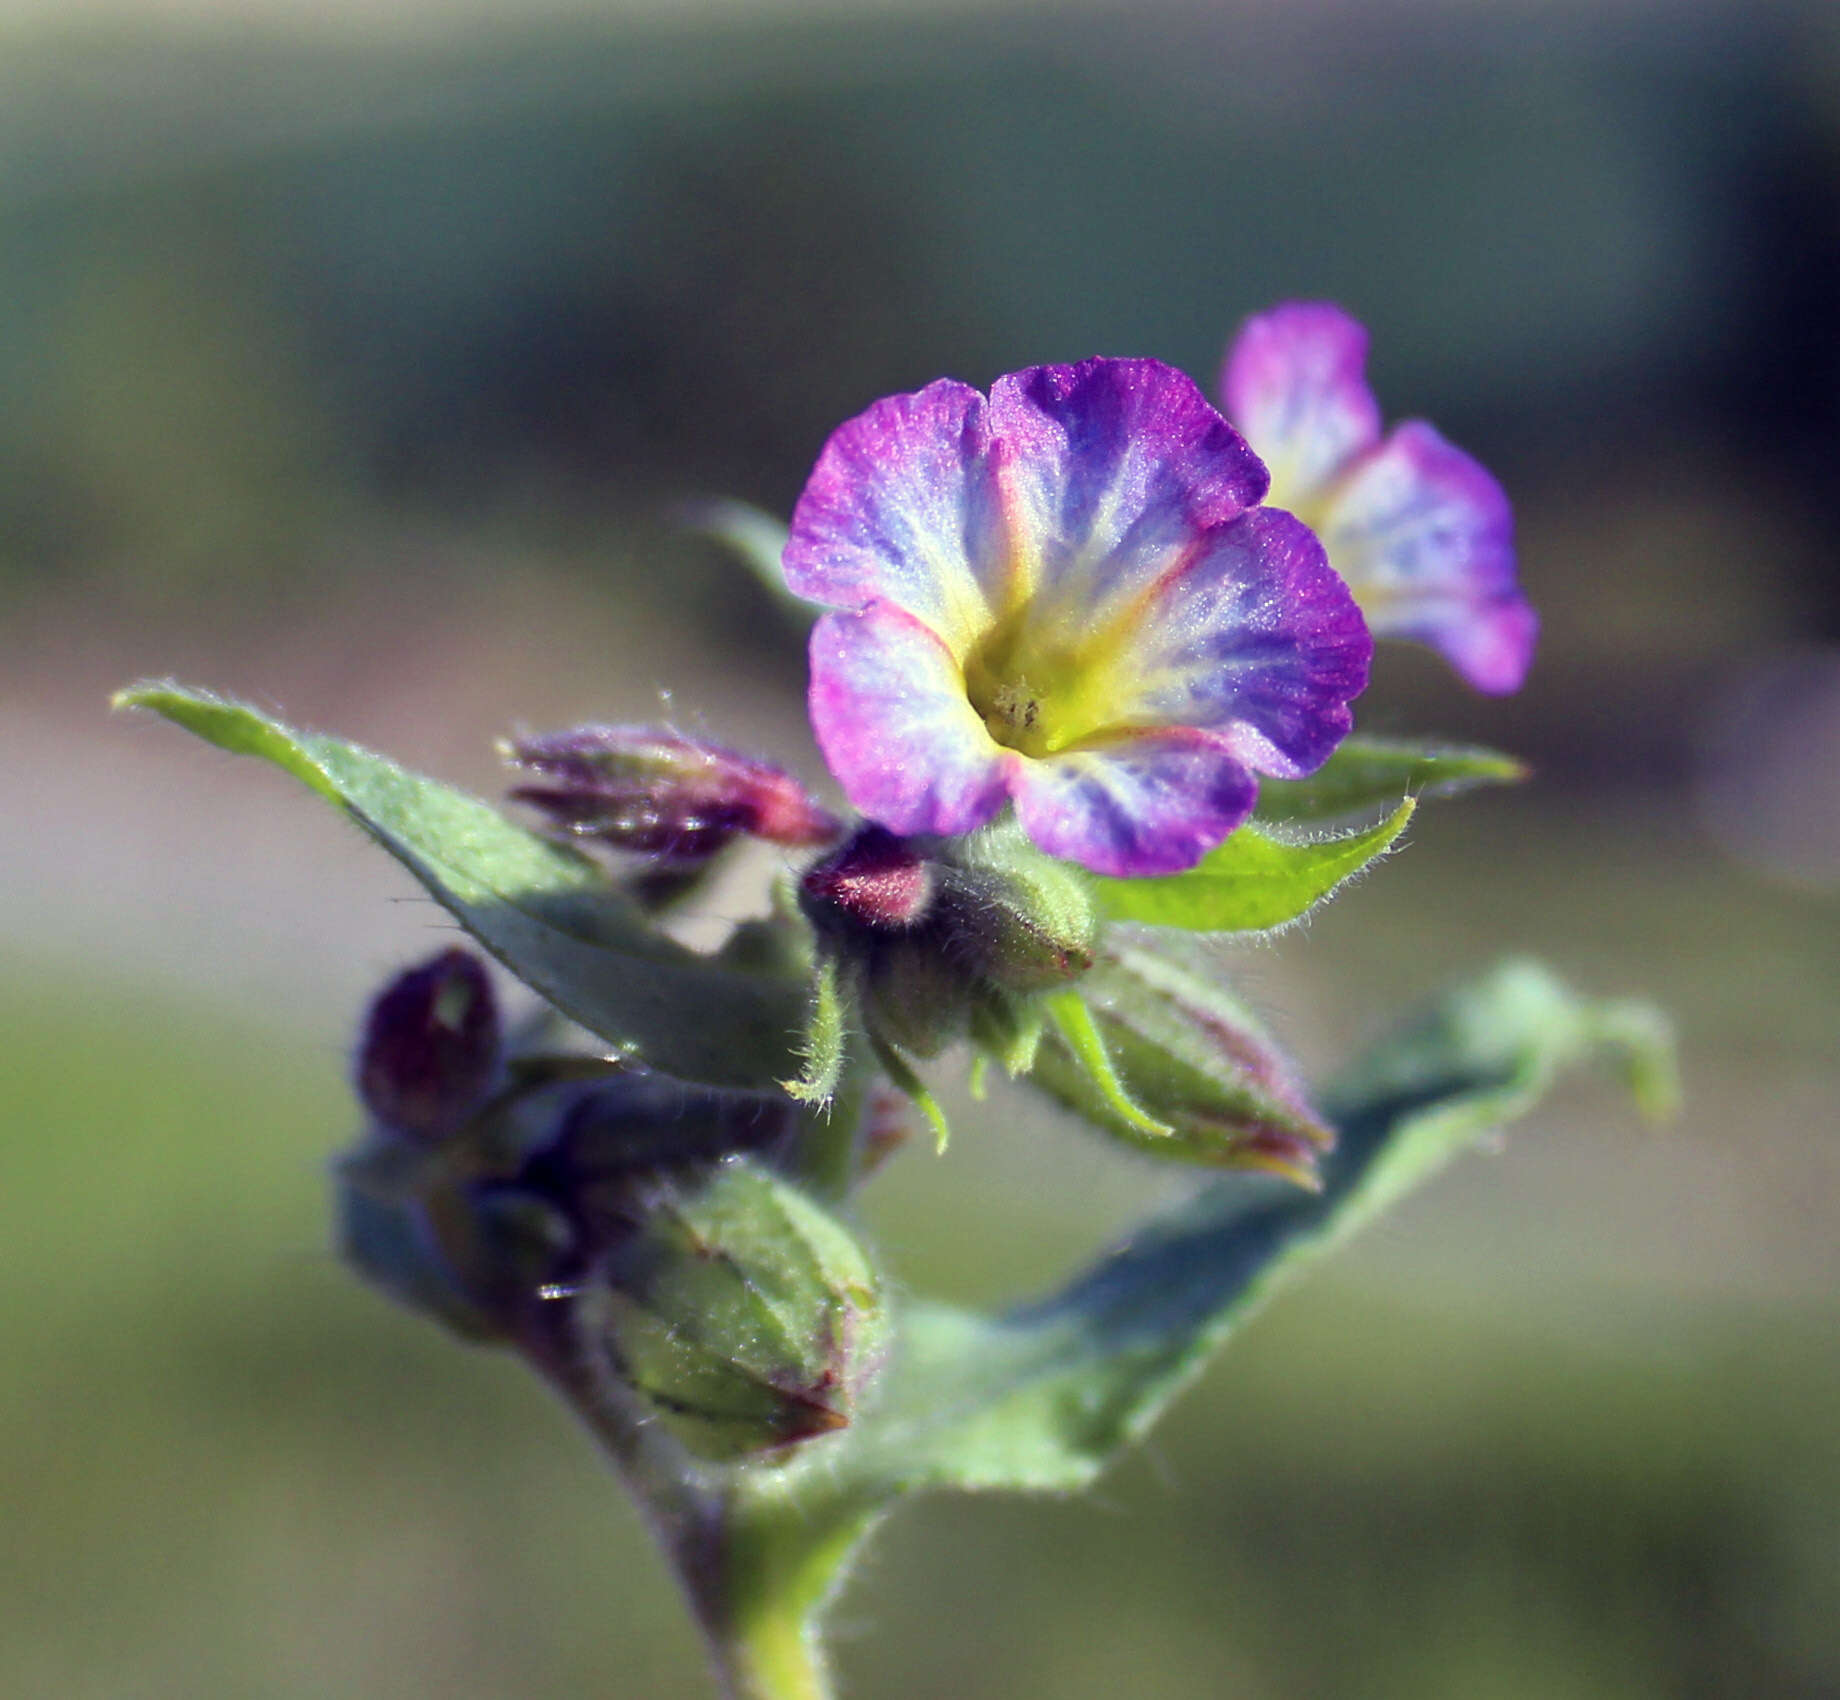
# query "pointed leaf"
(1374, 773)
(757, 539)
(1253, 882)
(549, 915)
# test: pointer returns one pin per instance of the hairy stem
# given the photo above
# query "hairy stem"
(756, 1572)
(782, 1560)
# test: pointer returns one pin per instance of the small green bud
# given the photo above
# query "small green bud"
(1020, 919)
(1174, 1065)
(740, 1311)
(915, 996)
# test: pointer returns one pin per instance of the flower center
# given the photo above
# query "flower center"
(1035, 696)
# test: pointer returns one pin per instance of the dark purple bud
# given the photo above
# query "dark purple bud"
(653, 791)
(876, 881)
(430, 1051)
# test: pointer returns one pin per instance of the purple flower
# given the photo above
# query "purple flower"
(1420, 531)
(1065, 595)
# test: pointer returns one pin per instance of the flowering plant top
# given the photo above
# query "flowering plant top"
(1093, 697)
(1066, 595)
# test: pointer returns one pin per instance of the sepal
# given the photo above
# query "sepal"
(741, 1314)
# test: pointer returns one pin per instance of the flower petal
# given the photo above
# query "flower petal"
(1149, 804)
(1107, 468)
(1295, 382)
(889, 708)
(902, 507)
(1256, 639)
(1425, 538)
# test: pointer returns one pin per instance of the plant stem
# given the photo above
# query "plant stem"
(774, 1656)
(783, 1556)
(756, 1568)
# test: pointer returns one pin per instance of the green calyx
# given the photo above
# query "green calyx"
(745, 1317)
(922, 944)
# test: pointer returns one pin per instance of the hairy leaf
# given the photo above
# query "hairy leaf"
(1253, 882)
(1374, 773)
(548, 914)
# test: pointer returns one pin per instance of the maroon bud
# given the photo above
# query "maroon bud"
(651, 790)
(876, 880)
(430, 1050)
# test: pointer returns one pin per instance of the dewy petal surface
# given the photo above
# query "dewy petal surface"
(1155, 803)
(1425, 537)
(903, 507)
(1256, 638)
(1295, 381)
(889, 709)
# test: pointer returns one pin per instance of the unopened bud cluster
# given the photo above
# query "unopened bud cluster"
(946, 938)
(644, 1232)
(607, 1216)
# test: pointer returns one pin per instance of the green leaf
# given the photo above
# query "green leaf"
(1253, 882)
(1373, 773)
(1043, 1397)
(757, 540)
(548, 914)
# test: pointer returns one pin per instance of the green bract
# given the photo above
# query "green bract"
(1254, 882)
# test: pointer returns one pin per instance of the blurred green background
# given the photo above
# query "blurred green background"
(355, 360)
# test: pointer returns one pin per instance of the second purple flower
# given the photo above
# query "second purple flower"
(1066, 596)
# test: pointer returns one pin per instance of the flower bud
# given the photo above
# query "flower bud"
(916, 997)
(1022, 920)
(876, 881)
(651, 790)
(1182, 1053)
(740, 1312)
(937, 939)
(430, 1049)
